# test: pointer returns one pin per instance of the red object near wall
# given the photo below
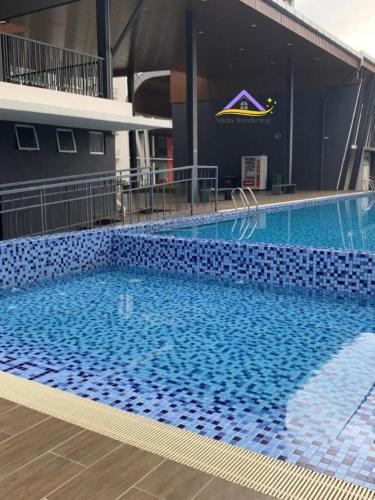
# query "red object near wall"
(170, 159)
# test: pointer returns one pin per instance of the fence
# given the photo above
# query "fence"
(37, 64)
(83, 202)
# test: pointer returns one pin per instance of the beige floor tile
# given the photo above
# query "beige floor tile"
(19, 419)
(87, 447)
(30, 444)
(4, 436)
(136, 494)
(174, 481)
(218, 489)
(39, 478)
(110, 477)
(6, 405)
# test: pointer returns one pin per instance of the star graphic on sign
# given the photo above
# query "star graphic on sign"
(269, 100)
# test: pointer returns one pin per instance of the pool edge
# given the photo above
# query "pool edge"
(246, 468)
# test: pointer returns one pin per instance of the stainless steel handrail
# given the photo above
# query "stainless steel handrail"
(244, 198)
(369, 185)
(77, 204)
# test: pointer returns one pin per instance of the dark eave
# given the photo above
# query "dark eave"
(16, 8)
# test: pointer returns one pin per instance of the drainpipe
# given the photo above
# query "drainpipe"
(1, 60)
(103, 27)
(290, 129)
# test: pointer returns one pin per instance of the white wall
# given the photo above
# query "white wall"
(120, 93)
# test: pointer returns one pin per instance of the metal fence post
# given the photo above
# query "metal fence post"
(2, 72)
(42, 213)
(216, 188)
(194, 186)
(192, 191)
(91, 207)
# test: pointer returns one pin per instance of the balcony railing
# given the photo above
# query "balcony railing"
(29, 62)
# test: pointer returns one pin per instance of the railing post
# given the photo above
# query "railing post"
(2, 71)
(42, 213)
(216, 188)
(193, 187)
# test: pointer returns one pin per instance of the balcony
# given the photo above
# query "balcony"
(60, 87)
(36, 64)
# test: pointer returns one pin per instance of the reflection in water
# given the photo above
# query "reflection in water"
(328, 401)
(342, 224)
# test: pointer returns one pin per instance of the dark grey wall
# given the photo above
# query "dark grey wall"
(16, 166)
(223, 145)
(340, 110)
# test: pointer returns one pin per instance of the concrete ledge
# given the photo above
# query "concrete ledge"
(20, 103)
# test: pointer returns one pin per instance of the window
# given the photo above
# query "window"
(244, 105)
(97, 143)
(66, 142)
(161, 146)
(27, 138)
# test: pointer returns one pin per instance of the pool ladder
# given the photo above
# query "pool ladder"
(243, 197)
(369, 185)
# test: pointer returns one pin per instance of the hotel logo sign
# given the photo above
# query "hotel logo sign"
(244, 108)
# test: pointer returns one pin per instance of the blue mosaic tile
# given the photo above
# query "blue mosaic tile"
(282, 372)
(187, 382)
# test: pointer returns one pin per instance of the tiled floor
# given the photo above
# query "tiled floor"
(45, 458)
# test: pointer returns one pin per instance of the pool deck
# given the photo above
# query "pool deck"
(267, 198)
(263, 198)
(42, 457)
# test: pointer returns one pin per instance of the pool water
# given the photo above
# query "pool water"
(342, 224)
(283, 372)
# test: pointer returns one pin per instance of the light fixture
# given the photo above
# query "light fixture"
(253, 26)
(317, 58)
(273, 62)
(3, 22)
(242, 49)
(290, 44)
(201, 32)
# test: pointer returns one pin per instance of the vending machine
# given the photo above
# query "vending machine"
(254, 172)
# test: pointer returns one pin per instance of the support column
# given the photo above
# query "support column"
(132, 137)
(192, 97)
(1, 61)
(103, 30)
(290, 117)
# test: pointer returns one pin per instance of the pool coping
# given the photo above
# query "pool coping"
(246, 468)
(140, 229)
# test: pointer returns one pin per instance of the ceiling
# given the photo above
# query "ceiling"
(235, 39)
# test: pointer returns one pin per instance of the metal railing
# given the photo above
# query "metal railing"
(37, 64)
(369, 185)
(84, 203)
(243, 197)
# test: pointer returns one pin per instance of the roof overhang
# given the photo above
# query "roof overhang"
(49, 107)
(15, 8)
(267, 30)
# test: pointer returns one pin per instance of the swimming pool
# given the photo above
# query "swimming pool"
(345, 224)
(284, 372)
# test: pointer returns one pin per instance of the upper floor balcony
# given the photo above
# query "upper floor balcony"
(36, 64)
(60, 87)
